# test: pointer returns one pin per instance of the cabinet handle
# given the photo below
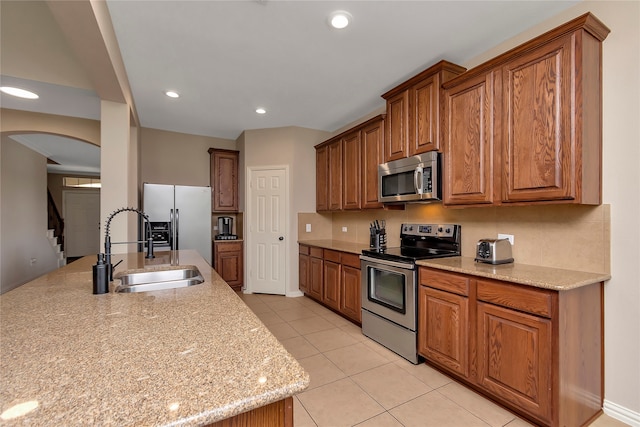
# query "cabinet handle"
(281, 238)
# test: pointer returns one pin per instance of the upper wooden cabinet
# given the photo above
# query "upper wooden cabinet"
(529, 122)
(224, 180)
(470, 115)
(414, 111)
(372, 142)
(347, 168)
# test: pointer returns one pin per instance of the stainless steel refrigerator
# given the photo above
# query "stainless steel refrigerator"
(180, 217)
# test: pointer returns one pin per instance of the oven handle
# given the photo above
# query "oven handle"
(377, 261)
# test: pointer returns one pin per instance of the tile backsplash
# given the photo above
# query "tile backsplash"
(560, 236)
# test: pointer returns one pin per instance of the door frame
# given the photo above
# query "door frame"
(249, 238)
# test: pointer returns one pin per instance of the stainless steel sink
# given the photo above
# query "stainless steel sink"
(158, 279)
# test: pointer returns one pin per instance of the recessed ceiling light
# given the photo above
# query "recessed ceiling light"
(261, 110)
(172, 94)
(340, 19)
(20, 93)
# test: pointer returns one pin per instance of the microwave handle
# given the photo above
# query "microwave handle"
(417, 180)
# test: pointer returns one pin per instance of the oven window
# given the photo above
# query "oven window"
(387, 288)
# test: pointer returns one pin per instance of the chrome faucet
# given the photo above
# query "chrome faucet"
(107, 239)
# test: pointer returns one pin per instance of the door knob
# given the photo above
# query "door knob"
(281, 238)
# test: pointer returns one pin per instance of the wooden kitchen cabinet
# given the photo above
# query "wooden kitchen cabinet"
(351, 147)
(443, 320)
(322, 171)
(334, 175)
(414, 110)
(533, 132)
(224, 180)
(332, 276)
(316, 273)
(333, 279)
(229, 262)
(350, 287)
(469, 142)
(536, 351)
(303, 268)
(347, 168)
(372, 140)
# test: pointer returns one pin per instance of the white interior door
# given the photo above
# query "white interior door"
(268, 237)
(81, 211)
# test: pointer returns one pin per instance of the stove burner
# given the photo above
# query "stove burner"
(422, 241)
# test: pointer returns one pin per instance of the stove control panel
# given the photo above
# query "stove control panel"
(433, 230)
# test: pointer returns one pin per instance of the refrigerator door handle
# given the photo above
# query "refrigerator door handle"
(177, 231)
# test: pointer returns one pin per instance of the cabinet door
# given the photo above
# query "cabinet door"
(514, 358)
(350, 304)
(303, 272)
(335, 175)
(224, 180)
(470, 115)
(443, 329)
(351, 171)
(316, 277)
(539, 145)
(228, 263)
(397, 127)
(331, 295)
(424, 116)
(372, 155)
(322, 175)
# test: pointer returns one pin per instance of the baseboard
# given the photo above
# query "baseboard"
(295, 294)
(621, 413)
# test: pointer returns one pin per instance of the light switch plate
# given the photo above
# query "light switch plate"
(308, 228)
(344, 229)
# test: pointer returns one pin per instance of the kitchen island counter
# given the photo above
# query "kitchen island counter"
(188, 356)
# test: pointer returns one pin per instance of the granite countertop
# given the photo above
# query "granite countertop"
(531, 275)
(541, 277)
(336, 245)
(188, 356)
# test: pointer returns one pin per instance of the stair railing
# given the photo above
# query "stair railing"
(54, 220)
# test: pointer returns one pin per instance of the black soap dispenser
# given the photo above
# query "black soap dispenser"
(100, 276)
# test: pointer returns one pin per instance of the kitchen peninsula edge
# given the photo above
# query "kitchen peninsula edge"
(190, 356)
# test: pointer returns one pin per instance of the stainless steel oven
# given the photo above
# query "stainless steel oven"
(390, 284)
(389, 304)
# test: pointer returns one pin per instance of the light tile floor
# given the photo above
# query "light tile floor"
(356, 381)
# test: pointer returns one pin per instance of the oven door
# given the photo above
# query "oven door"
(388, 290)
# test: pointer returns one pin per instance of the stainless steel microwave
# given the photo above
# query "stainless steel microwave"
(413, 179)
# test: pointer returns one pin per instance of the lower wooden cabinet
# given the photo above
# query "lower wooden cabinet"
(228, 262)
(332, 278)
(332, 275)
(536, 351)
(316, 273)
(350, 290)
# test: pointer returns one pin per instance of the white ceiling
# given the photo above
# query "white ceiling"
(226, 58)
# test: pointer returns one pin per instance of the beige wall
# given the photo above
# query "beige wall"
(23, 216)
(571, 237)
(177, 158)
(292, 147)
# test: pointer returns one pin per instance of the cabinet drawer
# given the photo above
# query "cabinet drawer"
(229, 247)
(352, 260)
(531, 300)
(316, 252)
(330, 255)
(304, 249)
(444, 281)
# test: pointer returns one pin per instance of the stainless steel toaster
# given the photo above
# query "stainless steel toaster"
(494, 251)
